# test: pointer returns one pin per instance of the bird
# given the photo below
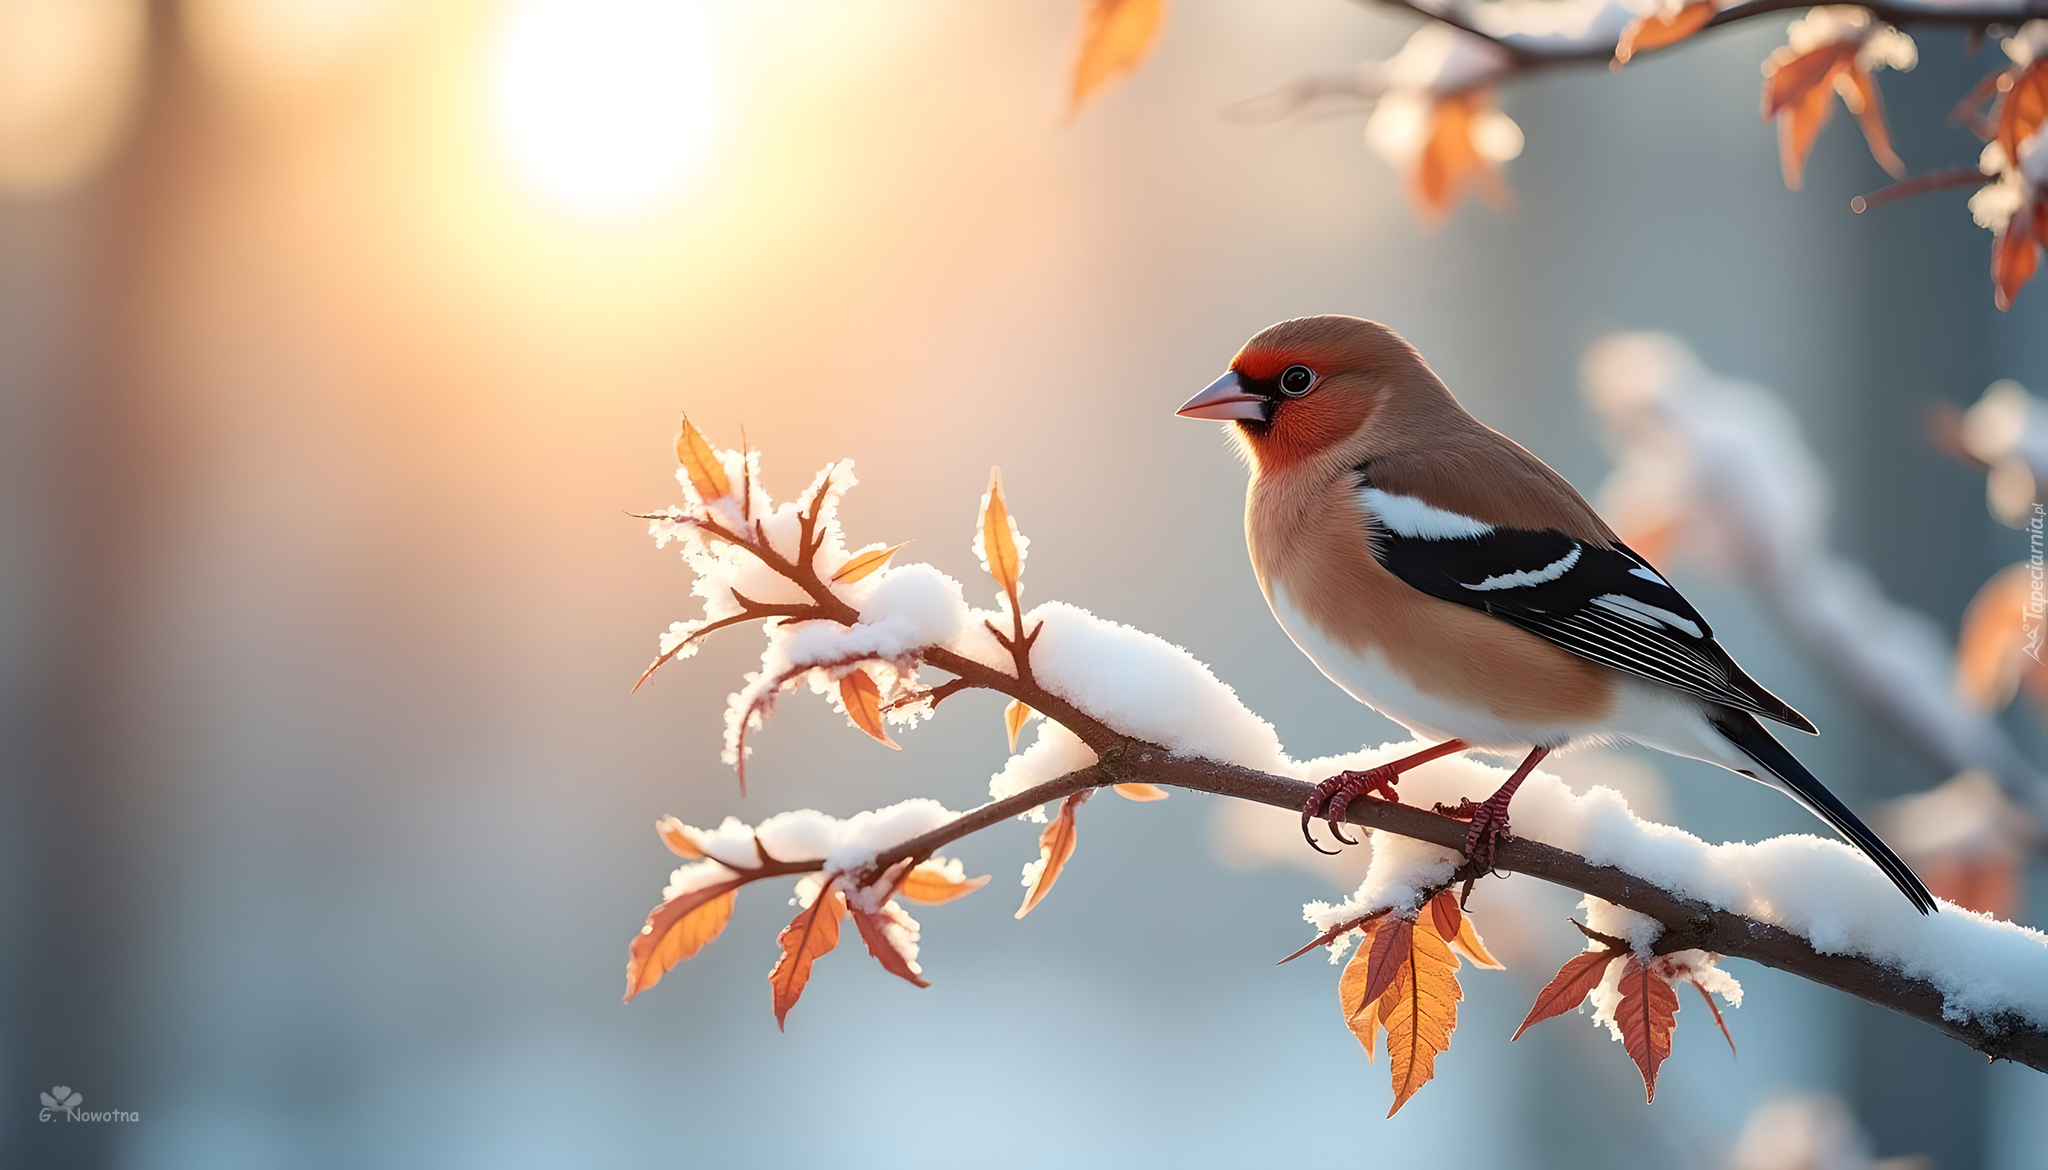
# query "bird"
(1442, 574)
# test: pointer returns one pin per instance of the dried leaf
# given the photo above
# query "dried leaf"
(1797, 89)
(932, 883)
(680, 838)
(677, 929)
(1424, 1011)
(810, 935)
(1055, 846)
(865, 562)
(1668, 26)
(1469, 944)
(2016, 253)
(1014, 716)
(999, 539)
(1389, 955)
(707, 473)
(1450, 161)
(1647, 1012)
(863, 701)
(1716, 1009)
(1568, 988)
(1447, 915)
(874, 932)
(1364, 1024)
(1140, 792)
(2024, 108)
(1859, 93)
(1115, 37)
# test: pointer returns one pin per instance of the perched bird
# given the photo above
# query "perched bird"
(1446, 577)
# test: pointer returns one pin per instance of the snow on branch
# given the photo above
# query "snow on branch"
(1121, 709)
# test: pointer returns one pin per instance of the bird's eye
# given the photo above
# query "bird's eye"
(1296, 381)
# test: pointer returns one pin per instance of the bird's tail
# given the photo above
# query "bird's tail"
(1741, 729)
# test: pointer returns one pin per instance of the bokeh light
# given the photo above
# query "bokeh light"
(607, 105)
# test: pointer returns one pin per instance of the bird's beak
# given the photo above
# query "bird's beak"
(1225, 400)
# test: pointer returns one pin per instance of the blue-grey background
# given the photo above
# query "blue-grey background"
(327, 815)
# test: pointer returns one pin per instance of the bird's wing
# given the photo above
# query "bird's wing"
(1600, 602)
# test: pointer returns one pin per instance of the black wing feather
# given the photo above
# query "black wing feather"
(1605, 604)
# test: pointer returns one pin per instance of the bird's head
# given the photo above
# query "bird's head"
(1313, 385)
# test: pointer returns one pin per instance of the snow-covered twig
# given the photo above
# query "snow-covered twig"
(1121, 708)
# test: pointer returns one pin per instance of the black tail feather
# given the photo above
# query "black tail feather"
(1742, 730)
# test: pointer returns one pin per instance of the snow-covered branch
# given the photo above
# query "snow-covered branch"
(1120, 709)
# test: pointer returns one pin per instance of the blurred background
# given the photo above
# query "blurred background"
(337, 338)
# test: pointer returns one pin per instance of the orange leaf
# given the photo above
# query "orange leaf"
(998, 544)
(1859, 93)
(1364, 1024)
(1469, 944)
(933, 883)
(1798, 128)
(1389, 957)
(1055, 846)
(865, 562)
(811, 934)
(1450, 160)
(680, 838)
(2024, 109)
(1647, 1012)
(1580, 975)
(873, 932)
(1989, 650)
(677, 929)
(1445, 913)
(1666, 27)
(863, 701)
(1420, 1011)
(1014, 716)
(1790, 76)
(2015, 253)
(1140, 792)
(1796, 93)
(1716, 1009)
(707, 474)
(1115, 37)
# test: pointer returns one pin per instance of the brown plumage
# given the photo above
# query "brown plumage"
(1444, 575)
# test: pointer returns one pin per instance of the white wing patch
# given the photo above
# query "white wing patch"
(1648, 574)
(1528, 577)
(1409, 516)
(1649, 615)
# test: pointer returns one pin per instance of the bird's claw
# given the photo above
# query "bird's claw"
(1333, 797)
(1489, 829)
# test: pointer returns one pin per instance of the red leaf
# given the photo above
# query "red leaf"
(2024, 109)
(1449, 918)
(676, 930)
(1580, 975)
(1391, 944)
(811, 934)
(2015, 253)
(882, 947)
(1647, 1012)
(863, 702)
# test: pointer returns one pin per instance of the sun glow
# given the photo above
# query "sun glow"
(607, 105)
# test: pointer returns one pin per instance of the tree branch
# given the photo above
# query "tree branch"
(1524, 57)
(1688, 924)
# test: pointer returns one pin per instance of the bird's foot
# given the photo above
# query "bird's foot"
(1490, 827)
(1333, 797)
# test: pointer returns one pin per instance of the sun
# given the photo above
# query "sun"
(607, 105)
